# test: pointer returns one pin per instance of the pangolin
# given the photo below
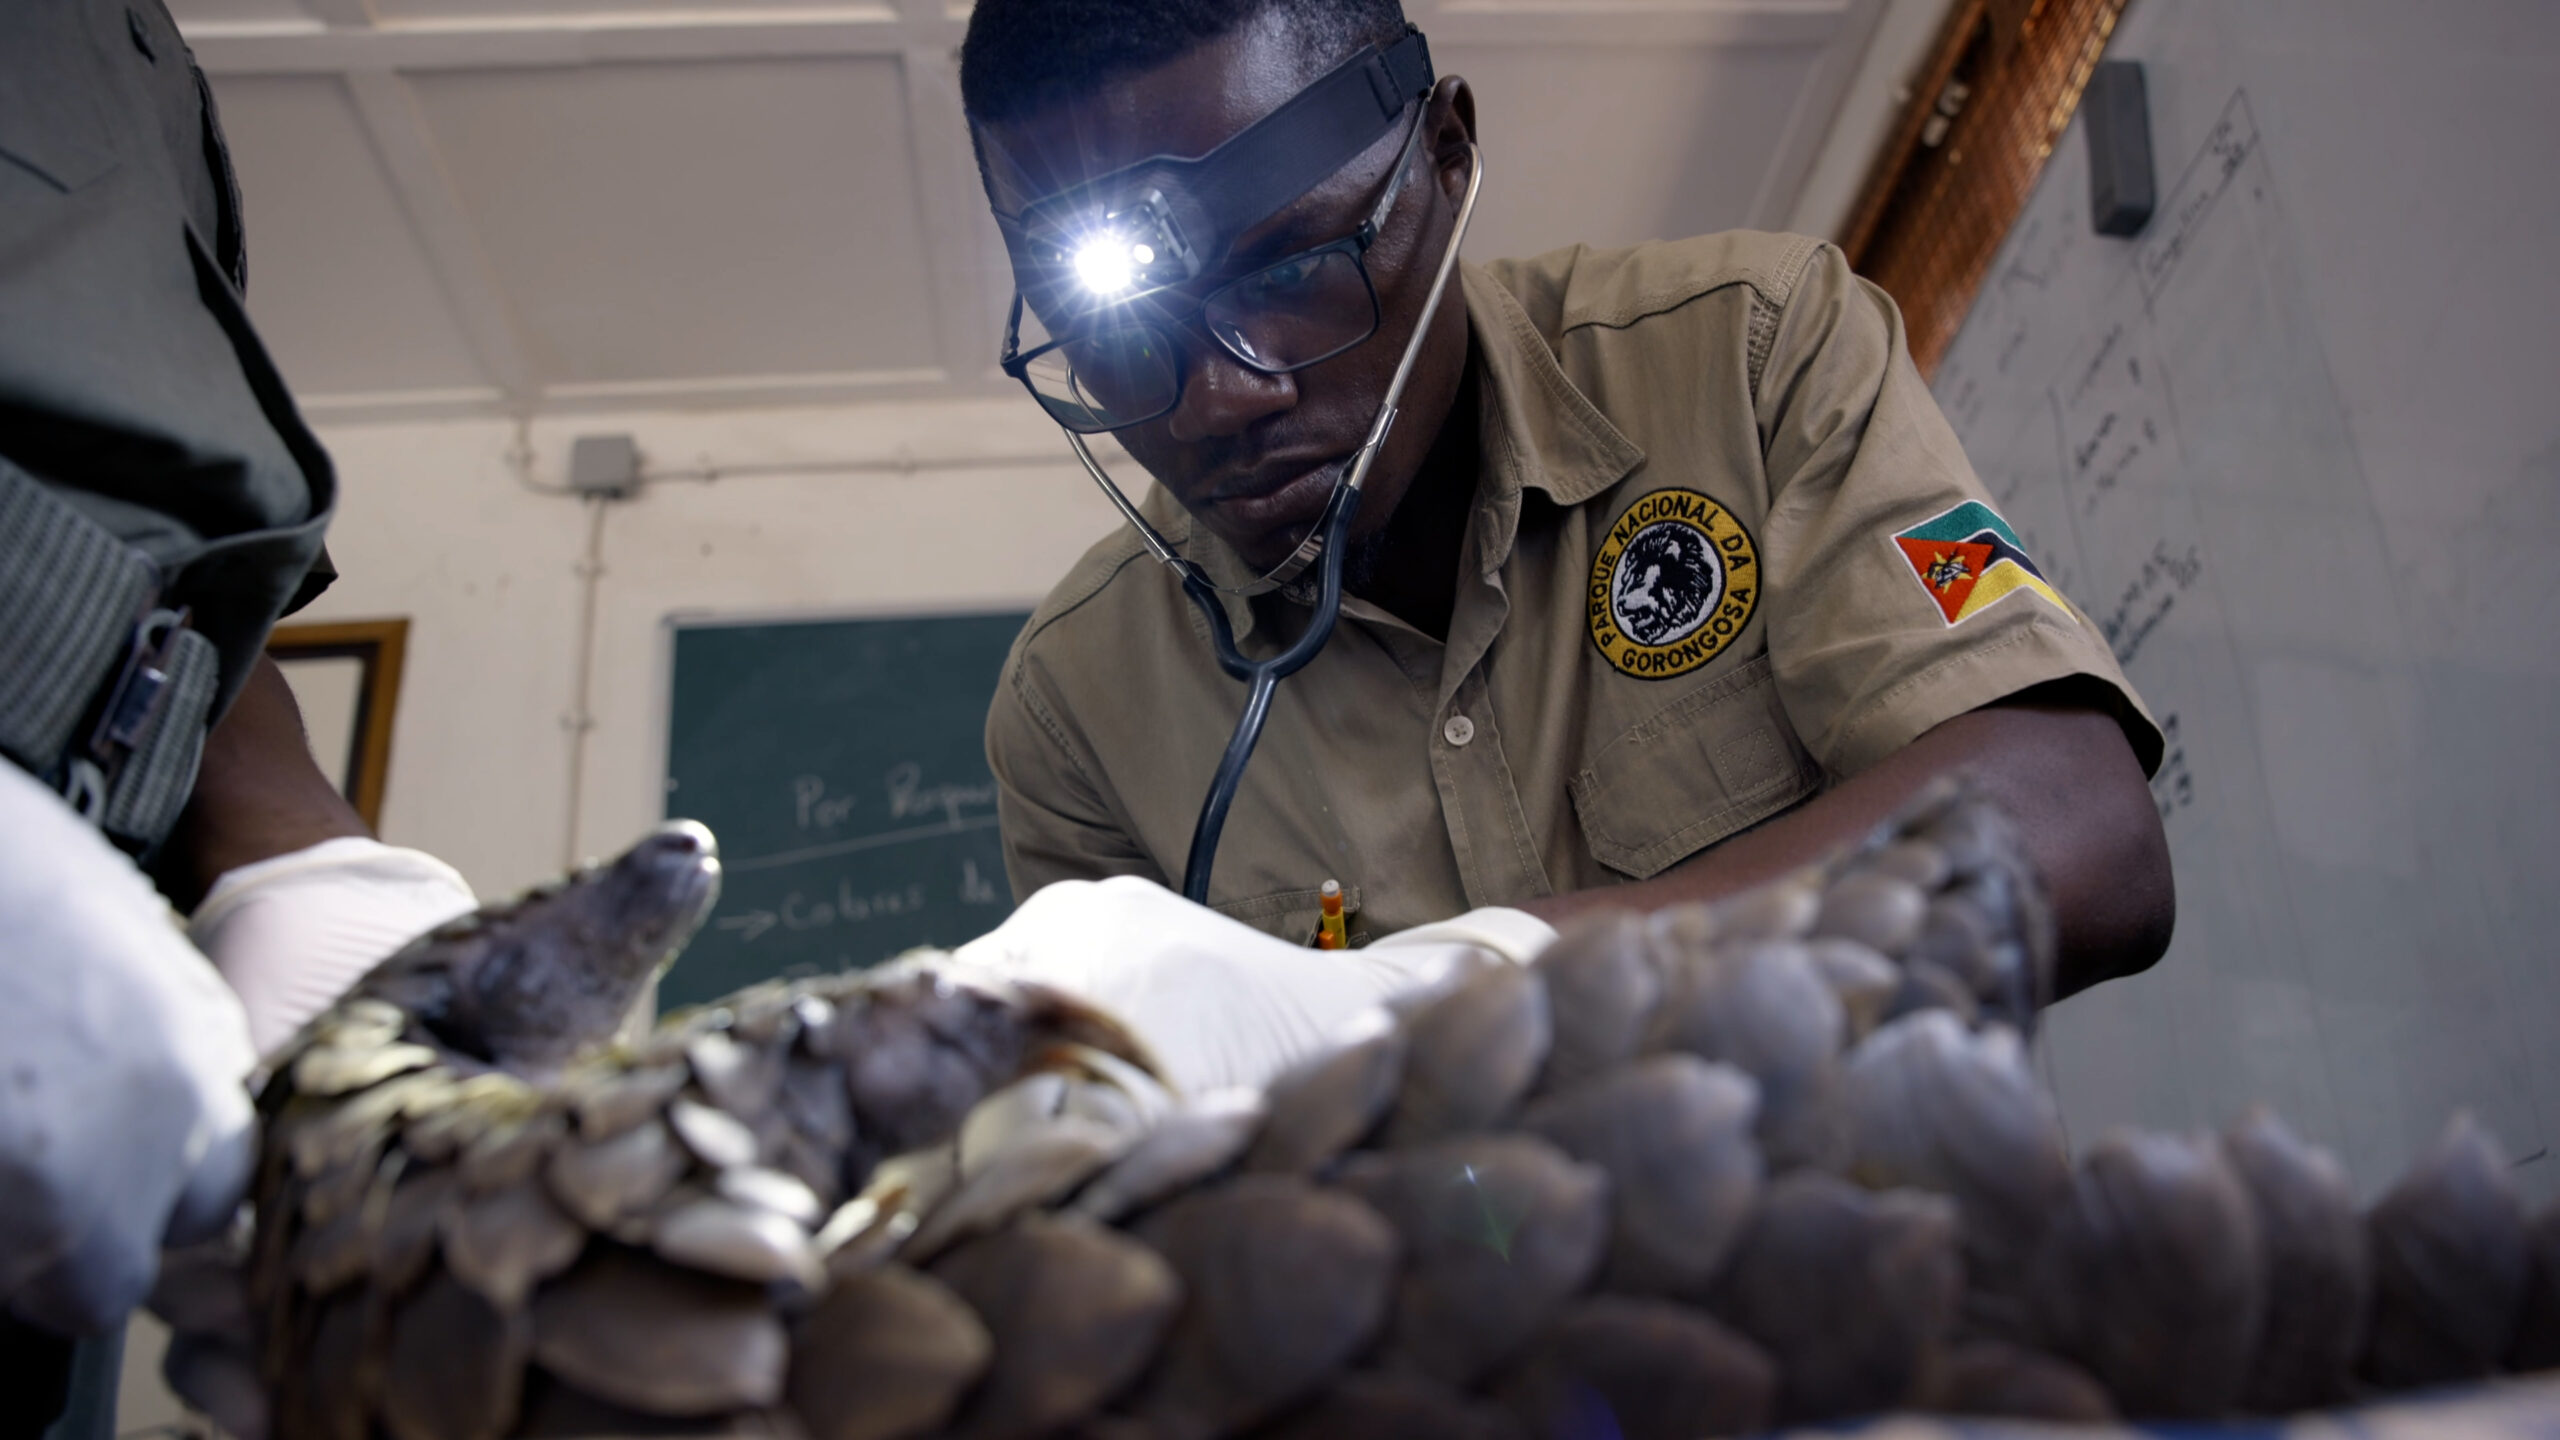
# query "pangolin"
(1770, 1160)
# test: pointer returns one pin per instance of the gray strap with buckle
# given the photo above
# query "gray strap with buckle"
(101, 694)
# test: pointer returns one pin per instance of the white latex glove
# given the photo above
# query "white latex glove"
(293, 932)
(123, 1118)
(1495, 932)
(1217, 1002)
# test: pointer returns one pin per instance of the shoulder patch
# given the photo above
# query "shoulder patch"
(1967, 560)
(1675, 581)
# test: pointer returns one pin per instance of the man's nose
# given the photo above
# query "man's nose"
(1222, 398)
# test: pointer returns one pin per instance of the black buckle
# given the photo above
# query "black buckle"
(125, 717)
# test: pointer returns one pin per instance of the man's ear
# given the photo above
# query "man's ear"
(1453, 129)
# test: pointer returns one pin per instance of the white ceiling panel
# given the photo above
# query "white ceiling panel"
(337, 282)
(463, 205)
(1615, 145)
(654, 223)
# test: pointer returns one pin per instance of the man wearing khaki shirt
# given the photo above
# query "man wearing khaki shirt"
(1669, 577)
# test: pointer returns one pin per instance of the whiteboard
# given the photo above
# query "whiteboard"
(2296, 449)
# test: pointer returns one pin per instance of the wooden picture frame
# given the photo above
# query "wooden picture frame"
(2000, 84)
(379, 647)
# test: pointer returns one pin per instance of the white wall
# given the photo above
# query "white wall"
(435, 524)
(1869, 109)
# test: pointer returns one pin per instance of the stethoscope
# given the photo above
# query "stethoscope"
(1323, 548)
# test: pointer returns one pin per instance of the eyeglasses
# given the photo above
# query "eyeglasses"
(1124, 365)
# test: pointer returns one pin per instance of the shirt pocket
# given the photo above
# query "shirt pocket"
(1712, 763)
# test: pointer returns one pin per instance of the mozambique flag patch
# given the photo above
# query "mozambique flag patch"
(1968, 559)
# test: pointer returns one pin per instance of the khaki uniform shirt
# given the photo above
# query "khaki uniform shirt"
(1725, 552)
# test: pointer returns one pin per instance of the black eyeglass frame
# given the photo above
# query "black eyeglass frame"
(1017, 363)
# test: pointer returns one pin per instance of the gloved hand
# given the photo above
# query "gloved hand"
(1218, 1002)
(123, 1119)
(292, 933)
(1495, 932)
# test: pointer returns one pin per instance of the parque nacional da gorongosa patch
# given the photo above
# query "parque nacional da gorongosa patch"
(1675, 581)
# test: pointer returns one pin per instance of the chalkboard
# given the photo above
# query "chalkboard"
(842, 767)
(2294, 448)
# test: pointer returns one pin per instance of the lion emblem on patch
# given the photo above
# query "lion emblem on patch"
(1666, 580)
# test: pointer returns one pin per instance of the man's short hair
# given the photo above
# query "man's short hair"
(1025, 56)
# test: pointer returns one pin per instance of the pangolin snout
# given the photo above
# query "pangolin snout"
(677, 842)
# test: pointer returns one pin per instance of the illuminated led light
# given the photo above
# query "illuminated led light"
(1103, 265)
(1143, 254)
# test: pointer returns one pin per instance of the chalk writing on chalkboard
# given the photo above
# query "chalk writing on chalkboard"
(799, 910)
(840, 764)
(907, 797)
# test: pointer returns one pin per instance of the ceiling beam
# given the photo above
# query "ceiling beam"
(343, 14)
(1745, 24)
(498, 43)
(347, 41)
(444, 232)
(779, 391)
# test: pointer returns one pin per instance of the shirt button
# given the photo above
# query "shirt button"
(1459, 730)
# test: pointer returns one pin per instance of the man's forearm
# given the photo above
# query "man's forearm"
(2062, 770)
(258, 794)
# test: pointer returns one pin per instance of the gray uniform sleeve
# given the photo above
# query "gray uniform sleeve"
(131, 380)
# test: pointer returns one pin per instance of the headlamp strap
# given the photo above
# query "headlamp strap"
(1260, 168)
(1314, 133)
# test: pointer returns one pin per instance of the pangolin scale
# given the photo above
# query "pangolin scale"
(1770, 1160)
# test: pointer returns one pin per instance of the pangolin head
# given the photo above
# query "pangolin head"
(526, 984)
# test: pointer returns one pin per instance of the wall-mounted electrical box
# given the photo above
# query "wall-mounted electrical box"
(607, 466)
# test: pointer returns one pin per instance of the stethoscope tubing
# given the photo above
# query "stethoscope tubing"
(1264, 677)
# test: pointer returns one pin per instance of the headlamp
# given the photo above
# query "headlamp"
(1168, 220)
(1107, 265)
(1124, 252)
